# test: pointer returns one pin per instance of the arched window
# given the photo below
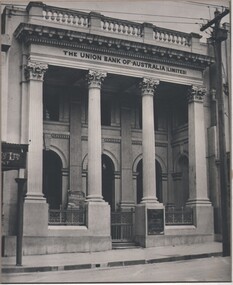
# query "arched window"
(52, 179)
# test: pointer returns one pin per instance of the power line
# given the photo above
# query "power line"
(203, 4)
(129, 13)
(158, 21)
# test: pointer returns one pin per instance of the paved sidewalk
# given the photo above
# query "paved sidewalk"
(110, 258)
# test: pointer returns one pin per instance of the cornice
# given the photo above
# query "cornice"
(31, 33)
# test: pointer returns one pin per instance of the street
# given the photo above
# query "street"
(196, 270)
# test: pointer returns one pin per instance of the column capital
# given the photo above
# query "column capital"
(35, 70)
(95, 78)
(196, 93)
(148, 85)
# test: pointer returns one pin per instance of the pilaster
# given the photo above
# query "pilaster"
(4, 94)
(75, 144)
(65, 185)
(127, 198)
(117, 181)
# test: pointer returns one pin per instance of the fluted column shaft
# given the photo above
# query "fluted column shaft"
(34, 73)
(95, 79)
(148, 86)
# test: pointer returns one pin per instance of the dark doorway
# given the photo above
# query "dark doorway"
(159, 190)
(52, 179)
(139, 182)
(108, 190)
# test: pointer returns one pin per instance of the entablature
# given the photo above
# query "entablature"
(45, 35)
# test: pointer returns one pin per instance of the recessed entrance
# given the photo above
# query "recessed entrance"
(52, 179)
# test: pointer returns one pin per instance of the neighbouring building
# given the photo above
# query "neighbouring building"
(120, 122)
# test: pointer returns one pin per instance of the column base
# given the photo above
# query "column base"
(95, 198)
(149, 200)
(98, 218)
(126, 205)
(199, 202)
(35, 218)
(149, 223)
(203, 215)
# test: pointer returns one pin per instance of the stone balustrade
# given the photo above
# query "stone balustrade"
(121, 27)
(66, 17)
(171, 37)
(100, 24)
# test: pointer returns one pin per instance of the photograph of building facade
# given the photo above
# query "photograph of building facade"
(121, 126)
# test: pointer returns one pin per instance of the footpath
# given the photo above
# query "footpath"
(110, 258)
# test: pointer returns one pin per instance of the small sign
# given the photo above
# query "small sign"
(13, 156)
(155, 221)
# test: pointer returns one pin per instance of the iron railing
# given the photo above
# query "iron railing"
(122, 225)
(178, 216)
(72, 217)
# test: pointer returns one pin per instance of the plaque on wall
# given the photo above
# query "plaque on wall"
(155, 221)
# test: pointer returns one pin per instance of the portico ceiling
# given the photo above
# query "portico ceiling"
(113, 84)
(60, 76)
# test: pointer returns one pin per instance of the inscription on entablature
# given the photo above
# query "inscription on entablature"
(123, 61)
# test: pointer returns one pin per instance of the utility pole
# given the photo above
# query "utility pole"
(219, 35)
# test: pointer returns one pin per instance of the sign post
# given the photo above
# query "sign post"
(20, 202)
(14, 158)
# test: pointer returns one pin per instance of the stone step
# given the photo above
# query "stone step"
(124, 245)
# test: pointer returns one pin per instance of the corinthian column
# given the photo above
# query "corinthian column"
(98, 211)
(198, 193)
(95, 79)
(148, 86)
(197, 147)
(149, 205)
(35, 203)
(34, 74)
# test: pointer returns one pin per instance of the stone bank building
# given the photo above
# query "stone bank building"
(120, 123)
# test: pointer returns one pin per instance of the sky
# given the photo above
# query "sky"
(181, 15)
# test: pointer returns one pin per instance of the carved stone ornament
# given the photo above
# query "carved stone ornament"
(35, 70)
(148, 86)
(196, 93)
(95, 78)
